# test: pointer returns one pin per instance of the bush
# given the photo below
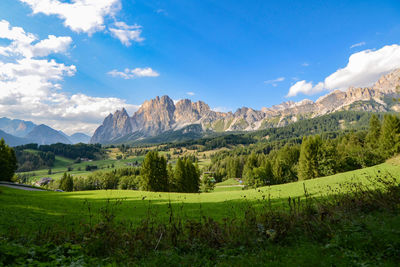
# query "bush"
(129, 182)
(208, 183)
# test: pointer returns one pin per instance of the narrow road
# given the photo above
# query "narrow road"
(234, 185)
(21, 187)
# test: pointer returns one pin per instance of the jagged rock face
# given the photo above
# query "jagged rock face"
(154, 116)
(389, 83)
(114, 126)
(161, 114)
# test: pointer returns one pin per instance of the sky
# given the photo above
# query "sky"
(69, 63)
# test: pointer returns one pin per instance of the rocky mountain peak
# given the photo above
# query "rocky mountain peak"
(114, 126)
(160, 114)
(388, 83)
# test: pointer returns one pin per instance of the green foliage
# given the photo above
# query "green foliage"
(123, 178)
(90, 151)
(154, 173)
(390, 135)
(67, 183)
(285, 164)
(30, 161)
(187, 176)
(374, 132)
(129, 182)
(207, 183)
(8, 162)
(310, 155)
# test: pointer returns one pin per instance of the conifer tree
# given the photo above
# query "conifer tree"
(67, 183)
(389, 139)
(374, 132)
(309, 157)
(154, 173)
(8, 162)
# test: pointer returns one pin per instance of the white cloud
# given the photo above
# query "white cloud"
(305, 64)
(126, 33)
(357, 44)
(88, 16)
(21, 44)
(79, 15)
(31, 89)
(304, 87)
(134, 73)
(52, 45)
(275, 81)
(190, 93)
(363, 69)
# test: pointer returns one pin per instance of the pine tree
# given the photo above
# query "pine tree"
(67, 183)
(8, 162)
(309, 157)
(389, 139)
(154, 173)
(187, 176)
(180, 176)
(285, 164)
(374, 132)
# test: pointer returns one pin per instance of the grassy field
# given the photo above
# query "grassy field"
(30, 211)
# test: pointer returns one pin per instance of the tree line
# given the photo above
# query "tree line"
(90, 151)
(155, 175)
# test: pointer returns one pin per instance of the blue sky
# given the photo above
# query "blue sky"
(227, 53)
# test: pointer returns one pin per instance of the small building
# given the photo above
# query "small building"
(44, 181)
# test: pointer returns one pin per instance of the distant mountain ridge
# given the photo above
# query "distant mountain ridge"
(160, 115)
(79, 138)
(19, 128)
(19, 132)
(43, 135)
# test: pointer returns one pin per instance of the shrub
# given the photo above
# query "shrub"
(128, 182)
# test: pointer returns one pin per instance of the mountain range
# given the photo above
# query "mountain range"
(161, 115)
(19, 132)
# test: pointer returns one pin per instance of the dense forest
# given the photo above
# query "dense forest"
(29, 161)
(310, 157)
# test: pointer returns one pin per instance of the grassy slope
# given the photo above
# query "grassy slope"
(230, 181)
(31, 210)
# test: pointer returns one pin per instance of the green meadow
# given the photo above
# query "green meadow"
(30, 211)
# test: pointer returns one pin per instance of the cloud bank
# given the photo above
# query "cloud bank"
(88, 16)
(31, 84)
(363, 69)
